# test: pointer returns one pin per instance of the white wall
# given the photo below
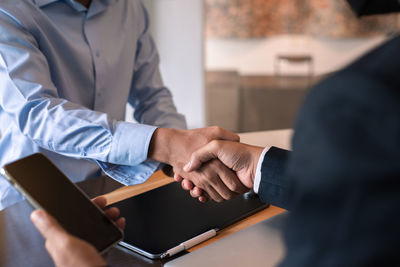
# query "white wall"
(177, 27)
(256, 56)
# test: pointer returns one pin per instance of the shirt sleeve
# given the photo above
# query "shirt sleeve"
(257, 179)
(29, 97)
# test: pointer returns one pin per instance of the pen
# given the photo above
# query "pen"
(190, 243)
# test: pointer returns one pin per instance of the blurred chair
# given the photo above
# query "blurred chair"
(294, 59)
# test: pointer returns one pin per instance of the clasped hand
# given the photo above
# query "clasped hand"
(242, 159)
(220, 167)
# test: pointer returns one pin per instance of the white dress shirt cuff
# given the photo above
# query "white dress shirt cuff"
(257, 179)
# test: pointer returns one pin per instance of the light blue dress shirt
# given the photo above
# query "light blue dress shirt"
(66, 74)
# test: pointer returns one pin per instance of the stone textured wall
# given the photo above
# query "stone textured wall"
(263, 18)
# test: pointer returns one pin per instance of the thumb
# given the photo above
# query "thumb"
(202, 155)
(46, 224)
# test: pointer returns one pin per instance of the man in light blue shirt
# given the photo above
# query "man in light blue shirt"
(66, 74)
(67, 70)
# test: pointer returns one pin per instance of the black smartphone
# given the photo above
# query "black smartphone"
(47, 188)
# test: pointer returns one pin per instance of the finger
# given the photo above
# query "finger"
(121, 222)
(230, 179)
(178, 178)
(112, 213)
(100, 202)
(213, 194)
(203, 199)
(46, 224)
(211, 172)
(222, 190)
(187, 185)
(196, 192)
(202, 155)
(222, 134)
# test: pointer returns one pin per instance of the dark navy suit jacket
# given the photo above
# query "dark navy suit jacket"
(342, 180)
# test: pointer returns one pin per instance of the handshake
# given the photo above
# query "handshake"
(210, 162)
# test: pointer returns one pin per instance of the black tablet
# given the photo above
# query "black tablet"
(167, 220)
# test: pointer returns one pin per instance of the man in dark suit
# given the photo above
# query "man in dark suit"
(341, 182)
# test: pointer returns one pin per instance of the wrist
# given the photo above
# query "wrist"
(157, 147)
(162, 144)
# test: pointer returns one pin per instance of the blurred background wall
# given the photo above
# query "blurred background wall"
(246, 65)
(178, 29)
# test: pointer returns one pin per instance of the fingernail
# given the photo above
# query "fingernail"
(187, 166)
(38, 216)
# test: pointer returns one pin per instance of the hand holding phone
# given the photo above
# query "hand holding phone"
(47, 188)
(65, 249)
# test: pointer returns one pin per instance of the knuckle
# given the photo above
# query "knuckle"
(235, 187)
(194, 155)
(64, 242)
(219, 130)
(215, 164)
(48, 245)
(202, 185)
(216, 129)
(214, 144)
(183, 186)
(215, 181)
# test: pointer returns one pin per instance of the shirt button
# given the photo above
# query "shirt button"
(97, 53)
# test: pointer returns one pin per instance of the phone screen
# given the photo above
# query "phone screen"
(39, 179)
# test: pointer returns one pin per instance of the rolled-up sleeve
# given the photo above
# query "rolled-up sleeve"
(29, 97)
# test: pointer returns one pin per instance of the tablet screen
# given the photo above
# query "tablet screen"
(163, 218)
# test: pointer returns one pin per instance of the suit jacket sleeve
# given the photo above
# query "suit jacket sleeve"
(273, 187)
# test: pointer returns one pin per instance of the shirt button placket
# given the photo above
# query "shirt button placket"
(99, 66)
